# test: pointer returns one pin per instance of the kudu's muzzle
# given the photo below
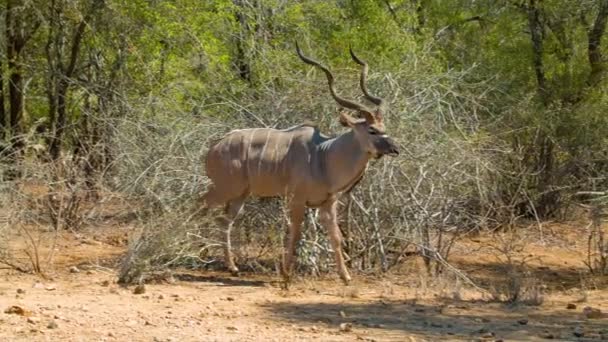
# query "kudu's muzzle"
(386, 146)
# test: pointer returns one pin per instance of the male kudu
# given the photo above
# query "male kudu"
(300, 164)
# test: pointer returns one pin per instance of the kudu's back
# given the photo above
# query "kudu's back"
(262, 161)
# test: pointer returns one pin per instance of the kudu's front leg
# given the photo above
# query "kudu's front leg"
(329, 220)
(296, 216)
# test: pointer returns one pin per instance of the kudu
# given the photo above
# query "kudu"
(300, 164)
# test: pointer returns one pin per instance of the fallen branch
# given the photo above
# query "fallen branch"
(437, 256)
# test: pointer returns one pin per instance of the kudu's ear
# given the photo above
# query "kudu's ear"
(346, 120)
(369, 117)
(379, 115)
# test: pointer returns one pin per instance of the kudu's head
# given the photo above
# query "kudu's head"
(369, 127)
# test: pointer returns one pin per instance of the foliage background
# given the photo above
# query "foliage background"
(500, 106)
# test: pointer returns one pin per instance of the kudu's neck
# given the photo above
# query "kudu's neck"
(345, 161)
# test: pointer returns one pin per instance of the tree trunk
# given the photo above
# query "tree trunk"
(545, 161)
(3, 121)
(14, 45)
(18, 31)
(241, 60)
(537, 37)
(594, 44)
(63, 85)
(55, 147)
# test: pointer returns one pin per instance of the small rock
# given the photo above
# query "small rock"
(592, 313)
(139, 289)
(342, 314)
(314, 328)
(105, 283)
(523, 321)
(51, 287)
(436, 325)
(111, 334)
(489, 334)
(571, 306)
(74, 269)
(547, 335)
(578, 331)
(16, 310)
(232, 328)
(160, 296)
(52, 325)
(33, 320)
(346, 327)
(20, 291)
(230, 299)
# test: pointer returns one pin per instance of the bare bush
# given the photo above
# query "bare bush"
(442, 187)
(158, 166)
(597, 245)
(516, 285)
(28, 241)
(174, 238)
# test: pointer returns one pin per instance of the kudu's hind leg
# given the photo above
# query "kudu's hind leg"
(230, 213)
(214, 198)
(329, 220)
(296, 216)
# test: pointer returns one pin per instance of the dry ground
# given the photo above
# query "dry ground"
(213, 306)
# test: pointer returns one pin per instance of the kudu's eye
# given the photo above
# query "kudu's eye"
(372, 131)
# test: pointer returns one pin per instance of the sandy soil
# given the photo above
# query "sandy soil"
(212, 306)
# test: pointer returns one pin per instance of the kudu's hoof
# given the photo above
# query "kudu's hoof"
(234, 272)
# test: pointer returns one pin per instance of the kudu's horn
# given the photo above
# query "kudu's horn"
(330, 80)
(378, 101)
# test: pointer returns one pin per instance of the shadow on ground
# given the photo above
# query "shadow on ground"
(218, 280)
(554, 278)
(451, 320)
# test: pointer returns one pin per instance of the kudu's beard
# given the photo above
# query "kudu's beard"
(378, 155)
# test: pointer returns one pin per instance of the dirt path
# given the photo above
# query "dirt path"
(206, 306)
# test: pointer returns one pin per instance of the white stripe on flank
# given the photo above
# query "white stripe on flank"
(275, 162)
(230, 136)
(249, 143)
(262, 153)
(287, 153)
